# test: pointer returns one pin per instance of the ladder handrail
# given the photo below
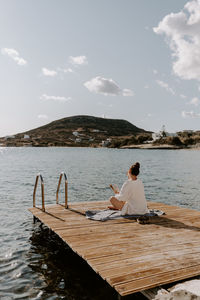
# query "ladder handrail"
(58, 188)
(42, 190)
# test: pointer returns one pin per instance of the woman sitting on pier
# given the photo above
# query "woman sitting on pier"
(131, 198)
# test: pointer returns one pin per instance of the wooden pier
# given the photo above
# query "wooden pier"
(131, 257)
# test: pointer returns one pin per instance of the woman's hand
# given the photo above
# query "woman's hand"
(114, 190)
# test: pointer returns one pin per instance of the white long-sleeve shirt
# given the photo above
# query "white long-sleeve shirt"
(132, 192)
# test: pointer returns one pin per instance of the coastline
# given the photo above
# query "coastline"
(159, 147)
(139, 146)
(152, 147)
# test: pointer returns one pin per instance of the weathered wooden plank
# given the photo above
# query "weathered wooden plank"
(144, 264)
(164, 278)
(103, 239)
(120, 249)
(149, 271)
(134, 256)
(130, 256)
(129, 230)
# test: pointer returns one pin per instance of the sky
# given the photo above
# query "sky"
(137, 60)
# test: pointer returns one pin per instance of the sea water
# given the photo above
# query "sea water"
(35, 265)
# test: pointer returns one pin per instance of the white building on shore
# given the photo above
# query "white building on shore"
(26, 136)
(162, 134)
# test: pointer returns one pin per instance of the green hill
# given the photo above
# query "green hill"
(76, 131)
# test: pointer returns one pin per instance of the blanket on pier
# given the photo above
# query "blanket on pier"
(109, 214)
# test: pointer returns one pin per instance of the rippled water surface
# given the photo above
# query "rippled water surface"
(35, 265)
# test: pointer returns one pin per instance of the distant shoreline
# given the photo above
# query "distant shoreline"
(159, 147)
(139, 146)
(95, 132)
(152, 147)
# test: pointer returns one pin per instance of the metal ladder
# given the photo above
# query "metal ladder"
(39, 176)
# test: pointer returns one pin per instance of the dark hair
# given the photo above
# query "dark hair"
(135, 169)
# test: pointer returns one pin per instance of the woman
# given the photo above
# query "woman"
(131, 198)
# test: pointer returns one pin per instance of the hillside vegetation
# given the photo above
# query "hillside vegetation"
(183, 139)
(77, 131)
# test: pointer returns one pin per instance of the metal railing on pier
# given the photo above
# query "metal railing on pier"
(66, 189)
(42, 191)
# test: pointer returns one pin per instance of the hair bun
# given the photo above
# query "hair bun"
(135, 169)
(137, 165)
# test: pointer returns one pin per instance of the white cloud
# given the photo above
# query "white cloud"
(183, 96)
(78, 60)
(190, 114)
(47, 72)
(66, 70)
(55, 98)
(100, 85)
(165, 86)
(44, 117)
(195, 101)
(103, 86)
(183, 35)
(12, 53)
(127, 93)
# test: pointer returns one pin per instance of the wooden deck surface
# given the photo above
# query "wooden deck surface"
(131, 257)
